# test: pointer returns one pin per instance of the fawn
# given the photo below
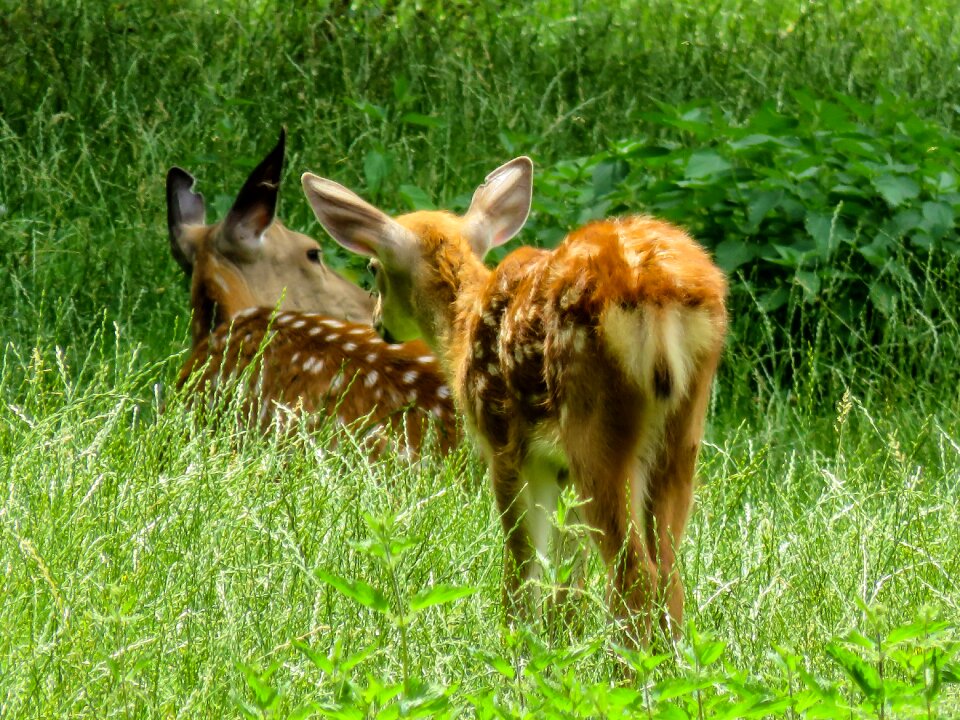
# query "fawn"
(316, 360)
(590, 364)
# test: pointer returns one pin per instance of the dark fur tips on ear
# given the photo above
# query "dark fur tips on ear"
(258, 196)
(184, 207)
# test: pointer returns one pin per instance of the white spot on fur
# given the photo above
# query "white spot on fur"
(349, 347)
(570, 296)
(371, 379)
(372, 358)
(221, 283)
(410, 377)
(314, 331)
(336, 383)
(359, 331)
(425, 359)
(294, 358)
(284, 318)
(247, 312)
(443, 392)
(330, 323)
(299, 324)
(579, 340)
(333, 337)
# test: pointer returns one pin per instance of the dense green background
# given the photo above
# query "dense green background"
(149, 570)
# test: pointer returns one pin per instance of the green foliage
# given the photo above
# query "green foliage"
(155, 567)
(840, 199)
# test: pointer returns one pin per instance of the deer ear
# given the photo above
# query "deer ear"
(351, 221)
(184, 207)
(256, 204)
(501, 205)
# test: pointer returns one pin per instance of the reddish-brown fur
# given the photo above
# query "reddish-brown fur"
(320, 367)
(589, 364)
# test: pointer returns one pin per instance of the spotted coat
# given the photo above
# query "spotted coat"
(306, 365)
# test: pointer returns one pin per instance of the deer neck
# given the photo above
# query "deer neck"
(460, 279)
(218, 294)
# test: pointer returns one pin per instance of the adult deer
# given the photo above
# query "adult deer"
(589, 364)
(316, 361)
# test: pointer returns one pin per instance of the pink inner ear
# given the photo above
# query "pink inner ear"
(359, 246)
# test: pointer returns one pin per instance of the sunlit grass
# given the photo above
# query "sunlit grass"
(154, 568)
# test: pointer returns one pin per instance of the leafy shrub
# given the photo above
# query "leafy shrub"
(843, 200)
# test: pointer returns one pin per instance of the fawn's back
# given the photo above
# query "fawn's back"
(622, 309)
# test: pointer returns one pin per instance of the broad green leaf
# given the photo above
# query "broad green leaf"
(415, 198)
(915, 630)
(884, 297)
(709, 652)
(438, 595)
(376, 167)
(856, 147)
(827, 232)
(347, 664)
(774, 299)
(937, 218)
(863, 674)
(608, 175)
(320, 661)
(704, 164)
(756, 139)
(501, 665)
(676, 687)
(809, 281)
(374, 111)
(759, 206)
(304, 711)
(356, 590)
(422, 120)
(896, 189)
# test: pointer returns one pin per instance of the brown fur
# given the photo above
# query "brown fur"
(530, 364)
(319, 367)
(590, 364)
(352, 375)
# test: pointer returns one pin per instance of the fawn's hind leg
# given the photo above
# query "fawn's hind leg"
(602, 448)
(671, 494)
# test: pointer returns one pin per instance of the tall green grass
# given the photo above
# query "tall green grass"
(154, 569)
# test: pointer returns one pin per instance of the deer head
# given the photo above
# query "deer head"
(590, 364)
(415, 255)
(250, 258)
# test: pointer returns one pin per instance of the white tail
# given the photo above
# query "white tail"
(590, 364)
(317, 360)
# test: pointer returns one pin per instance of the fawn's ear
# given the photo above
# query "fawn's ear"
(351, 221)
(255, 206)
(184, 207)
(500, 206)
